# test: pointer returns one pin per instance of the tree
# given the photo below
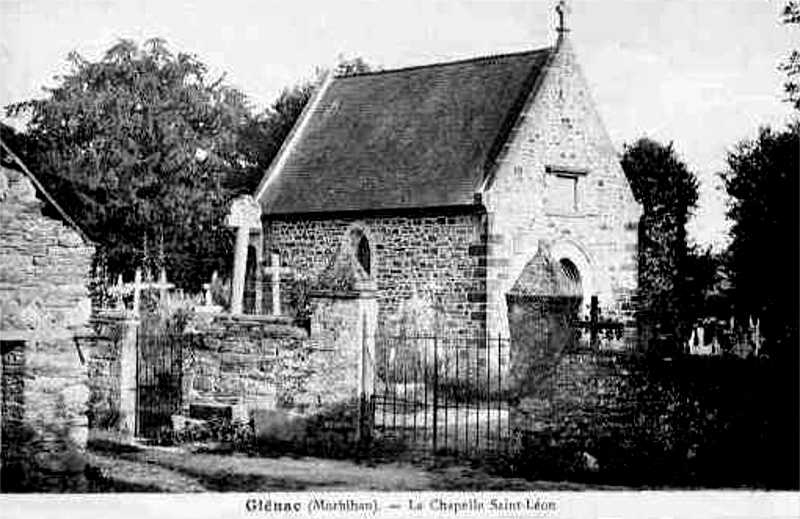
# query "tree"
(705, 285)
(762, 182)
(137, 145)
(791, 15)
(667, 191)
(263, 136)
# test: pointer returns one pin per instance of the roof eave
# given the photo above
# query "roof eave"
(50, 200)
(274, 169)
(494, 159)
(476, 206)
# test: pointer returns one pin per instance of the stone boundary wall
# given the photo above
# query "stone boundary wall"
(644, 420)
(289, 384)
(439, 257)
(246, 363)
(582, 386)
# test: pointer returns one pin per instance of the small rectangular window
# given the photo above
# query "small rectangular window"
(564, 191)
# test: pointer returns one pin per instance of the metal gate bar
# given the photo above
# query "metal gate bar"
(461, 406)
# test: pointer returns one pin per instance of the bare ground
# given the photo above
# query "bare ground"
(177, 469)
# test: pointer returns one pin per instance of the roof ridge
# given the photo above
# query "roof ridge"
(489, 58)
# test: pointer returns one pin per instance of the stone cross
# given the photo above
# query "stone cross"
(563, 10)
(209, 300)
(755, 333)
(162, 285)
(275, 271)
(137, 288)
(245, 214)
(117, 292)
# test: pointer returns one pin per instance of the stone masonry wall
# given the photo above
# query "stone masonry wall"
(251, 363)
(246, 363)
(440, 258)
(44, 264)
(560, 130)
(583, 386)
(291, 385)
(44, 301)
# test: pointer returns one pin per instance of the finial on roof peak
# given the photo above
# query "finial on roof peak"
(563, 10)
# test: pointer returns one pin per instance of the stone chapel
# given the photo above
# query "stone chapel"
(444, 180)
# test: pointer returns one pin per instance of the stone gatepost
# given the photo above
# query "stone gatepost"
(128, 327)
(245, 215)
(540, 317)
(343, 324)
(112, 359)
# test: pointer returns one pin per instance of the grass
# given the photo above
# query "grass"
(120, 467)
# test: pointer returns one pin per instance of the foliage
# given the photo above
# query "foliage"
(264, 134)
(791, 15)
(217, 430)
(168, 315)
(705, 285)
(298, 299)
(147, 152)
(762, 182)
(689, 418)
(137, 145)
(103, 412)
(666, 188)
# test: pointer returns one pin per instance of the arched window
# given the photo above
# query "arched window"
(357, 244)
(363, 254)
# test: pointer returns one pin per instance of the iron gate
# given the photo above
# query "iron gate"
(159, 370)
(443, 394)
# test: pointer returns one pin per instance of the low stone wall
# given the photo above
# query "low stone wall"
(291, 385)
(580, 387)
(643, 420)
(246, 363)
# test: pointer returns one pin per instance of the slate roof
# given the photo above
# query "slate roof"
(409, 138)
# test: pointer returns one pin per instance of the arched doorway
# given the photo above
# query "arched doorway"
(569, 278)
(578, 270)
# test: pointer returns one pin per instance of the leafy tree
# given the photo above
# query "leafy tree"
(791, 15)
(263, 136)
(137, 145)
(762, 182)
(351, 67)
(667, 190)
(705, 285)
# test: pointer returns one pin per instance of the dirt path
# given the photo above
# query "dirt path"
(174, 469)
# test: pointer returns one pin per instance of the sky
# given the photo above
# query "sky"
(699, 73)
